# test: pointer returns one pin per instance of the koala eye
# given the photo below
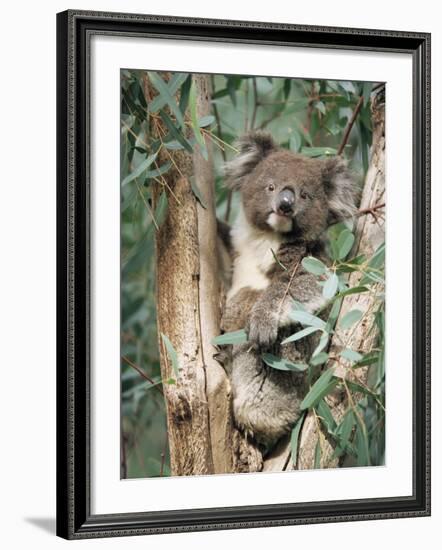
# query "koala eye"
(304, 195)
(271, 187)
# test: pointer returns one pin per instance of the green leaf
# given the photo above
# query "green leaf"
(361, 442)
(235, 337)
(184, 94)
(175, 82)
(197, 193)
(368, 359)
(326, 416)
(282, 364)
(175, 131)
(322, 387)
(231, 88)
(205, 121)
(164, 90)
(294, 438)
(333, 315)
(173, 145)
(313, 265)
(195, 124)
(161, 209)
(350, 355)
(171, 354)
(319, 359)
(140, 169)
(366, 91)
(344, 431)
(301, 334)
(320, 106)
(295, 141)
(354, 290)
(158, 171)
(318, 151)
(306, 318)
(323, 341)
(330, 287)
(344, 243)
(350, 318)
(317, 463)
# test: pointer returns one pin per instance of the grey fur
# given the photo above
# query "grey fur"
(266, 401)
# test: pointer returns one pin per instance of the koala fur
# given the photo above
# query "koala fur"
(287, 202)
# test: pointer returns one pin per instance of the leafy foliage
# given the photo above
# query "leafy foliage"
(307, 116)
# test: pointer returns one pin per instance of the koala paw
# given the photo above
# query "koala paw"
(262, 329)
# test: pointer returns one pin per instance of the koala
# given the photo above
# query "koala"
(287, 202)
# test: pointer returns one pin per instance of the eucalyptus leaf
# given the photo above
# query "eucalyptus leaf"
(175, 131)
(345, 243)
(306, 318)
(282, 364)
(235, 337)
(172, 354)
(330, 286)
(301, 334)
(140, 169)
(350, 318)
(350, 355)
(165, 92)
(294, 438)
(313, 265)
(323, 385)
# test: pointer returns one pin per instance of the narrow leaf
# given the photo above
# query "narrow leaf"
(323, 385)
(318, 151)
(161, 209)
(235, 337)
(196, 191)
(164, 90)
(175, 131)
(317, 463)
(205, 121)
(301, 334)
(195, 123)
(319, 359)
(140, 169)
(294, 438)
(323, 341)
(351, 355)
(282, 364)
(175, 82)
(171, 354)
(350, 318)
(306, 318)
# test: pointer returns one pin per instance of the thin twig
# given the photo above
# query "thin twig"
(350, 125)
(292, 276)
(141, 373)
(371, 210)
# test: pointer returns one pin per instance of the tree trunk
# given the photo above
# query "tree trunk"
(202, 437)
(369, 235)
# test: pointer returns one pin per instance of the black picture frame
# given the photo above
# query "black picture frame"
(74, 518)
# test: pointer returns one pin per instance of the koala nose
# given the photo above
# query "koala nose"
(286, 199)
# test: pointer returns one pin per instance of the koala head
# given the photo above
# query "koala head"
(286, 192)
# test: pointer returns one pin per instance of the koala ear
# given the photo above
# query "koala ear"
(253, 147)
(341, 189)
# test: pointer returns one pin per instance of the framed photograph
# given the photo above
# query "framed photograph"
(243, 274)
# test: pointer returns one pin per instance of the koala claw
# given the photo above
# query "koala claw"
(262, 330)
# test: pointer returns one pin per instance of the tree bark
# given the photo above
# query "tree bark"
(369, 235)
(202, 438)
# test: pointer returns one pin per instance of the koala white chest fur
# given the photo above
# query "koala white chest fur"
(253, 255)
